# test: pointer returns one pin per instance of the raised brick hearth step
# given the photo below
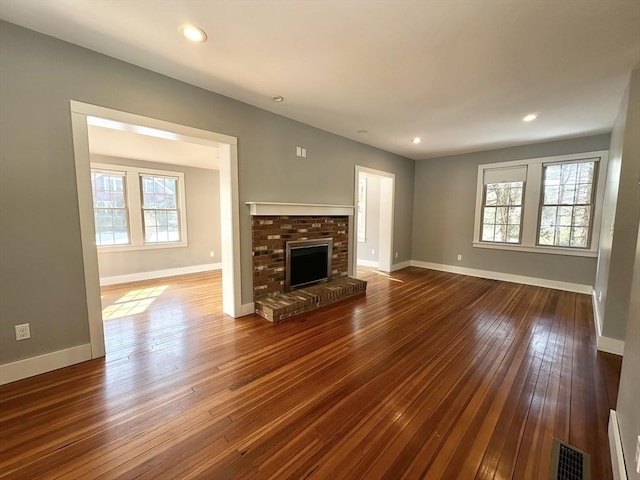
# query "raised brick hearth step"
(284, 305)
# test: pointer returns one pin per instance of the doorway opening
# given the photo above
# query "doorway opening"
(373, 221)
(225, 158)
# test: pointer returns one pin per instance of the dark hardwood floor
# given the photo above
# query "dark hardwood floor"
(430, 375)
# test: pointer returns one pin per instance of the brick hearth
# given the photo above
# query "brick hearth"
(270, 234)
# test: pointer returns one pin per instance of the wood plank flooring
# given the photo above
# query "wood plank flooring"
(430, 375)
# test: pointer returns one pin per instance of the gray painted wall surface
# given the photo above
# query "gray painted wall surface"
(42, 279)
(372, 234)
(444, 209)
(629, 389)
(620, 216)
(202, 196)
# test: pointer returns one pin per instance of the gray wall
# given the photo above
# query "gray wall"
(620, 217)
(372, 234)
(42, 279)
(619, 266)
(444, 209)
(629, 390)
(202, 196)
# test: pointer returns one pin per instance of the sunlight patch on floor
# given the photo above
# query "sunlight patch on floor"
(133, 302)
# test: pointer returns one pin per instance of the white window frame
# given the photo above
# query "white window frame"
(133, 197)
(533, 200)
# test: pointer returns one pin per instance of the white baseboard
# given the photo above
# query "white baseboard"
(506, 277)
(604, 344)
(615, 448)
(368, 263)
(247, 309)
(400, 266)
(168, 272)
(10, 372)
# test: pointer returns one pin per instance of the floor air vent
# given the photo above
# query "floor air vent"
(569, 463)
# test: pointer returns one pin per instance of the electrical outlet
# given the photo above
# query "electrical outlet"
(459, 258)
(23, 331)
(373, 251)
(396, 254)
(212, 254)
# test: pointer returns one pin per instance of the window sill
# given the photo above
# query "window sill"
(574, 252)
(128, 248)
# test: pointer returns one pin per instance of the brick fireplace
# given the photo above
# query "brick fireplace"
(273, 225)
(270, 234)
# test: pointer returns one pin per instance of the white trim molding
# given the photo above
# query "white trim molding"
(615, 448)
(29, 367)
(168, 272)
(298, 209)
(604, 344)
(506, 277)
(400, 266)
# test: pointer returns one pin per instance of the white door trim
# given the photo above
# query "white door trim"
(229, 207)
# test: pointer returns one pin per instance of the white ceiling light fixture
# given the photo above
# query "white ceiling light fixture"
(277, 98)
(193, 33)
(363, 132)
(530, 117)
(416, 140)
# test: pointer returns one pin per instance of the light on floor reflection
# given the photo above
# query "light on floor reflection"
(378, 272)
(133, 302)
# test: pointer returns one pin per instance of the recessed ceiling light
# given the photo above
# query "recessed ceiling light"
(362, 132)
(277, 98)
(193, 33)
(416, 140)
(530, 118)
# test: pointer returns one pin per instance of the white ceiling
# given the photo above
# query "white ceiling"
(123, 143)
(460, 74)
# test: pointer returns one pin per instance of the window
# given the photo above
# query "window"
(362, 209)
(567, 203)
(137, 208)
(549, 205)
(110, 207)
(160, 209)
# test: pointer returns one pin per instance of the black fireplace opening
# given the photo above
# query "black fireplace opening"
(307, 262)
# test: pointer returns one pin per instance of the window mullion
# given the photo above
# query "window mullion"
(135, 212)
(532, 196)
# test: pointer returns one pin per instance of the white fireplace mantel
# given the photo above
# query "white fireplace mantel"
(293, 209)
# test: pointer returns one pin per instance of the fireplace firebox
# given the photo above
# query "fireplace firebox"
(307, 262)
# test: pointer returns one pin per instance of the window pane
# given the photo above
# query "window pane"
(585, 172)
(514, 215)
(502, 212)
(513, 233)
(565, 216)
(563, 236)
(159, 202)
(548, 216)
(489, 216)
(515, 196)
(567, 194)
(500, 233)
(546, 236)
(487, 233)
(551, 194)
(579, 237)
(583, 194)
(581, 216)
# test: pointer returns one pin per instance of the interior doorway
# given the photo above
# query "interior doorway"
(373, 221)
(226, 148)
